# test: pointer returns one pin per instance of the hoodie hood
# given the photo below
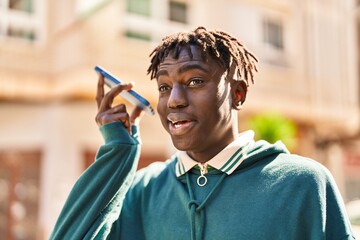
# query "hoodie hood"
(262, 151)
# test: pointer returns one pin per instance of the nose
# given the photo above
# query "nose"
(178, 97)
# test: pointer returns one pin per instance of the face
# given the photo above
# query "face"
(195, 104)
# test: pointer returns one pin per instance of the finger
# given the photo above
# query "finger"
(117, 109)
(136, 116)
(108, 99)
(105, 118)
(115, 114)
(100, 90)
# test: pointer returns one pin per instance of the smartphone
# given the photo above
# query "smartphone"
(130, 95)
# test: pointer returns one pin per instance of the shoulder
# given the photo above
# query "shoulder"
(300, 164)
(298, 168)
(301, 178)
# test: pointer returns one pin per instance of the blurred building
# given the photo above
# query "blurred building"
(309, 72)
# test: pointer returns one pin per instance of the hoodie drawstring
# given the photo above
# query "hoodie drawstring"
(196, 208)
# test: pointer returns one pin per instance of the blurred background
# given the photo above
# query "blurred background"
(306, 93)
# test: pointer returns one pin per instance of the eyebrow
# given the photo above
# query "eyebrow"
(191, 66)
(161, 72)
(183, 68)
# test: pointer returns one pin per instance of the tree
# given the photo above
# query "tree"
(272, 127)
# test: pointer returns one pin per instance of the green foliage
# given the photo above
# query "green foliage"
(272, 127)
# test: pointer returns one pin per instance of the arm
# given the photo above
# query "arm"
(96, 199)
(337, 220)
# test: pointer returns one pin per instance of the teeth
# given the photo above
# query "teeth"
(176, 124)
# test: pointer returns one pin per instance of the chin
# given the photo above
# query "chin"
(181, 144)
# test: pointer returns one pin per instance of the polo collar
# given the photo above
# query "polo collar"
(225, 161)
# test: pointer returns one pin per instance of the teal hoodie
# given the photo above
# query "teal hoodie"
(271, 195)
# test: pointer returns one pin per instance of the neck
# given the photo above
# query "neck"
(229, 136)
(205, 156)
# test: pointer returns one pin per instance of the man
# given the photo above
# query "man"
(220, 184)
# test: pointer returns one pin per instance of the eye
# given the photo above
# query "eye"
(163, 88)
(195, 82)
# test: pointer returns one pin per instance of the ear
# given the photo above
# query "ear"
(238, 93)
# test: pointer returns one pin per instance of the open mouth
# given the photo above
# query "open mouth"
(179, 124)
(180, 127)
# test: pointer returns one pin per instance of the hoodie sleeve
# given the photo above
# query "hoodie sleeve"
(96, 199)
(337, 220)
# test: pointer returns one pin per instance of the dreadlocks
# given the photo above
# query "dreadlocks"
(218, 44)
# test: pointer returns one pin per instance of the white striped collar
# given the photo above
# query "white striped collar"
(226, 161)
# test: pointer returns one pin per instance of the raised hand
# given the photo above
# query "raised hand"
(118, 113)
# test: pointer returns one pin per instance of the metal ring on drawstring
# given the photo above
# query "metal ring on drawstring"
(202, 180)
(199, 180)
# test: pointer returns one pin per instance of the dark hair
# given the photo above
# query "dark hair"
(218, 44)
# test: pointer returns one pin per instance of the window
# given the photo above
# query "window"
(19, 19)
(177, 11)
(138, 35)
(22, 5)
(141, 7)
(19, 195)
(149, 20)
(273, 34)
(140, 10)
(21, 33)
